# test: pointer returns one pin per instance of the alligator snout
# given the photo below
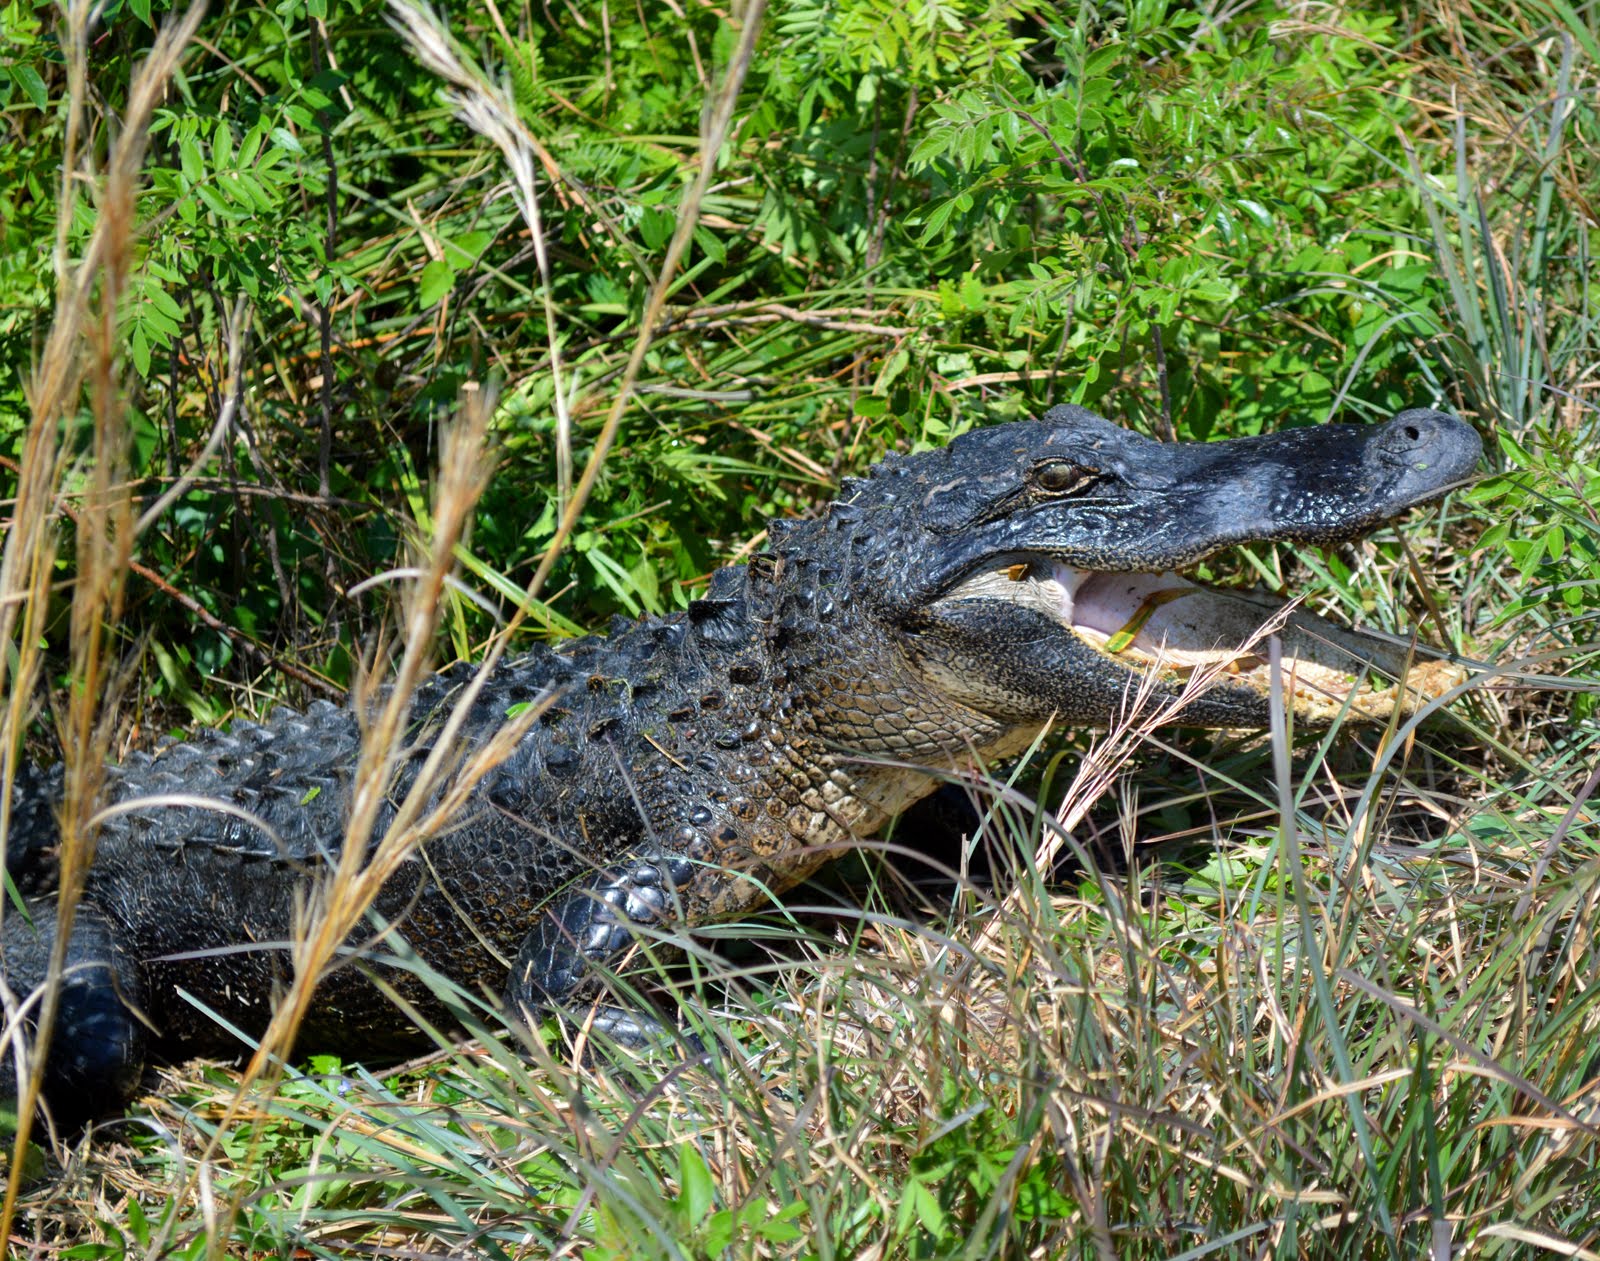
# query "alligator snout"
(1425, 451)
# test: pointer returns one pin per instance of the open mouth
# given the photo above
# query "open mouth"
(1165, 623)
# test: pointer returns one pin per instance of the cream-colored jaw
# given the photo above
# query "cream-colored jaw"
(1165, 623)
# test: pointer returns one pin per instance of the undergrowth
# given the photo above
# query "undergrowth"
(1177, 995)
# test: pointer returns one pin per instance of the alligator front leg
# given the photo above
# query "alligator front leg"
(586, 933)
(729, 829)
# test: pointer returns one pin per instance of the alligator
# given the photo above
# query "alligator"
(940, 612)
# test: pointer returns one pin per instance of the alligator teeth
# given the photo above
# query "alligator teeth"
(1069, 580)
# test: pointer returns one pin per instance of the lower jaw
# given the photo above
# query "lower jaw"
(1180, 631)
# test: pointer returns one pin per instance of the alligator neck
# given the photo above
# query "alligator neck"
(846, 668)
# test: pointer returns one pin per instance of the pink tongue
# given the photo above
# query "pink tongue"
(1109, 602)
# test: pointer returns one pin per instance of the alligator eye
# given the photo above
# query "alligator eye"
(1060, 477)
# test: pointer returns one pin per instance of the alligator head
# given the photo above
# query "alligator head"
(1031, 572)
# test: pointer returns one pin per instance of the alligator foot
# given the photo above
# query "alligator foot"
(588, 934)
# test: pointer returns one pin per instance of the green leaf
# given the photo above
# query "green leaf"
(921, 1206)
(780, 1227)
(1514, 450)
(139, 349)
(163, 302)
(1488, 491)
(696, 1191)
(931, 146)
(609, 572)
(253, 191)
(1256, 211)
(1495, 535)
(113, 1251)
(214, 202)
(138, 1224)
(222, 149)
(192, 161)
(250, 147)
(936, 221)
(1224, 222)
(465, 248)
(808, 101)
(710, 244)
(656, 226)
(435, 281)
(717, 1234)
(28, 79)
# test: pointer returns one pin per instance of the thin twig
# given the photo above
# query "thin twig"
(232, 388)
(237, 637)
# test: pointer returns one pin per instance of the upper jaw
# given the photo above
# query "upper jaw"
(1162, 506)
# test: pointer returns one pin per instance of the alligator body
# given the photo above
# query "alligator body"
(944, 609)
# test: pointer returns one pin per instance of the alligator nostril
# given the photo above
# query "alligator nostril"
(1413, 433)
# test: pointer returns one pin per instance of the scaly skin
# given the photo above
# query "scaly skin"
(687, 766)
